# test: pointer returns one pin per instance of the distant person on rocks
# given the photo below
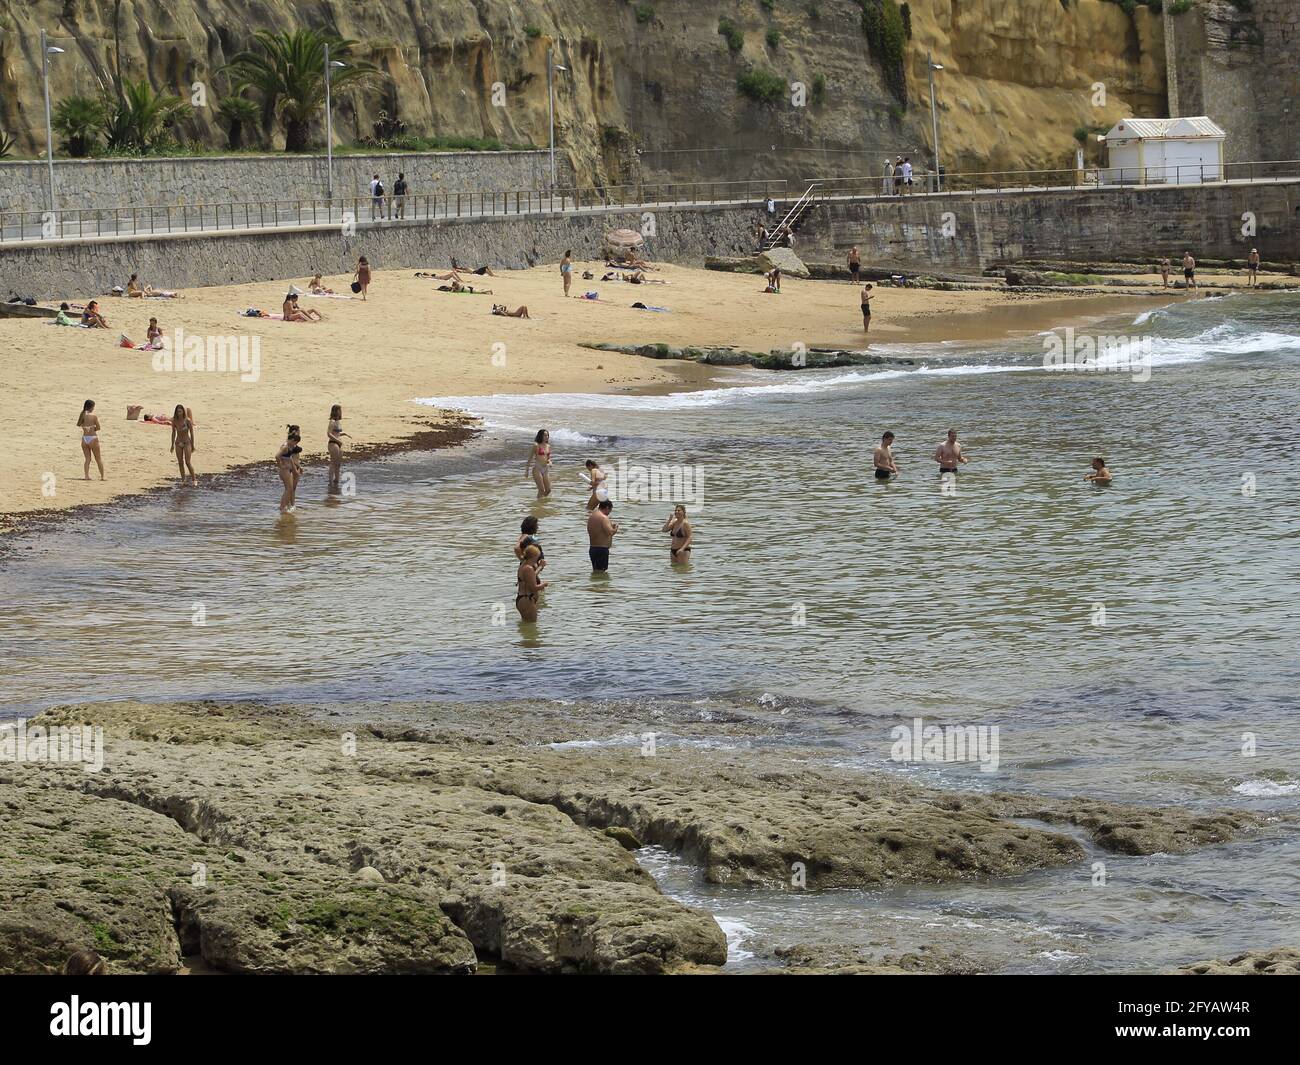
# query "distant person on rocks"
(601, 532)
(855, 263)
(1252, 267)
(399, 197)
(1189, 270)
(883, 458)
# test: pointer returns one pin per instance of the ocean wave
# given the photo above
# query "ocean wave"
(1267, 789)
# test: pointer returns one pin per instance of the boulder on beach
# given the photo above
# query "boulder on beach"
(785, 259)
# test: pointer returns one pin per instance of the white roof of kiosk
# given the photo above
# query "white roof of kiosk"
(1169, 129)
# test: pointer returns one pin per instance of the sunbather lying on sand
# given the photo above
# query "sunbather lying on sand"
(317, 287)
(450, 275)
(135, 290)
(294, 313)
(481, 271)
(456, 286)
(504, 312)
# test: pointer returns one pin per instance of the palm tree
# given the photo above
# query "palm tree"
(78, 120)
(239, 113)
(140, 119)
(289, 71)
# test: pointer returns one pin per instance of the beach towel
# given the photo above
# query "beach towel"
(591, 295)
(645, 307)
(330, 295)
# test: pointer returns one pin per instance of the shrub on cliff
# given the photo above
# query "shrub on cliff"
(882, 22)
(729, 30)
(765, 86)
(78, 120)
(139, 120)
(288, 70)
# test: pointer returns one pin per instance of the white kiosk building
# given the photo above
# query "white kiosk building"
(1174, 151)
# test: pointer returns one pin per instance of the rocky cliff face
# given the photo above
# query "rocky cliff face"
(653, 75)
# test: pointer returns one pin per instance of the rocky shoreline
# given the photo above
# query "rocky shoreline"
(454, 839)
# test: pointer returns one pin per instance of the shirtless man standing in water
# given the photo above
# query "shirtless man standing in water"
(948, 454)
(883, 458)
(600, 530)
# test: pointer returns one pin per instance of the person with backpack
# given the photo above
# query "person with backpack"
(376, 198)
(399, 197)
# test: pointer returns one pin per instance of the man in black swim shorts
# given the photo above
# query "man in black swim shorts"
(601, 532)
(883, 458)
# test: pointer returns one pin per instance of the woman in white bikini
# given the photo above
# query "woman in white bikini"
(334, 431)
(597, 478)
(88, 423)
(183, 443)
(289, 468)
(538, 465)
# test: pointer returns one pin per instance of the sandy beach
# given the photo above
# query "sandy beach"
(409, 340)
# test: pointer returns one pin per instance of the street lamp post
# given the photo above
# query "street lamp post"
(932, 66)
(329, 124)
(551, 68)
(48, 50)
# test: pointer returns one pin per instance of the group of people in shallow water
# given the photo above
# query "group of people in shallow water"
(950, 456)
(601, 528)
(288, 458)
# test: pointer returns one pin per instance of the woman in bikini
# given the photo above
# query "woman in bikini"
(527, 539)
(681, 535)
(597, 478)
(289, 468)
(566, 271)
(294, 313)
(183, 443)
(88, 423)
(153, 338)
(538, 465)
(316, 287)
(334, 431)
(528, 584)
(91, 318)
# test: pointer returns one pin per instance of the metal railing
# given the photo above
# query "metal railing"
(361, 210)
(984, 181)
(147, 221)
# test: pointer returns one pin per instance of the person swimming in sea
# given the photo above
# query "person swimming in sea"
(681, 536)
(528, 538)
(1099, 475)
(538, 465)
(596, 478)
(883, 458)
(289, 467)
(528, 585)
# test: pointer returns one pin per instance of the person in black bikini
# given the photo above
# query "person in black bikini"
(527, 539)
(682, 535)
(528, 584)
(290, 468)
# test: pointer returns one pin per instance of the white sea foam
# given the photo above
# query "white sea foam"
(1267, 789)
(738, 933)
(506, 412)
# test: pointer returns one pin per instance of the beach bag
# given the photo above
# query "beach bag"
(356, 286)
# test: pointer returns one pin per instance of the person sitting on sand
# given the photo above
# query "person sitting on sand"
(91, 318)
(153, 336)
(316, 287)
(294, 313)
(501, 310)
(63, 318)
(137, 291)
(1099, 475)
